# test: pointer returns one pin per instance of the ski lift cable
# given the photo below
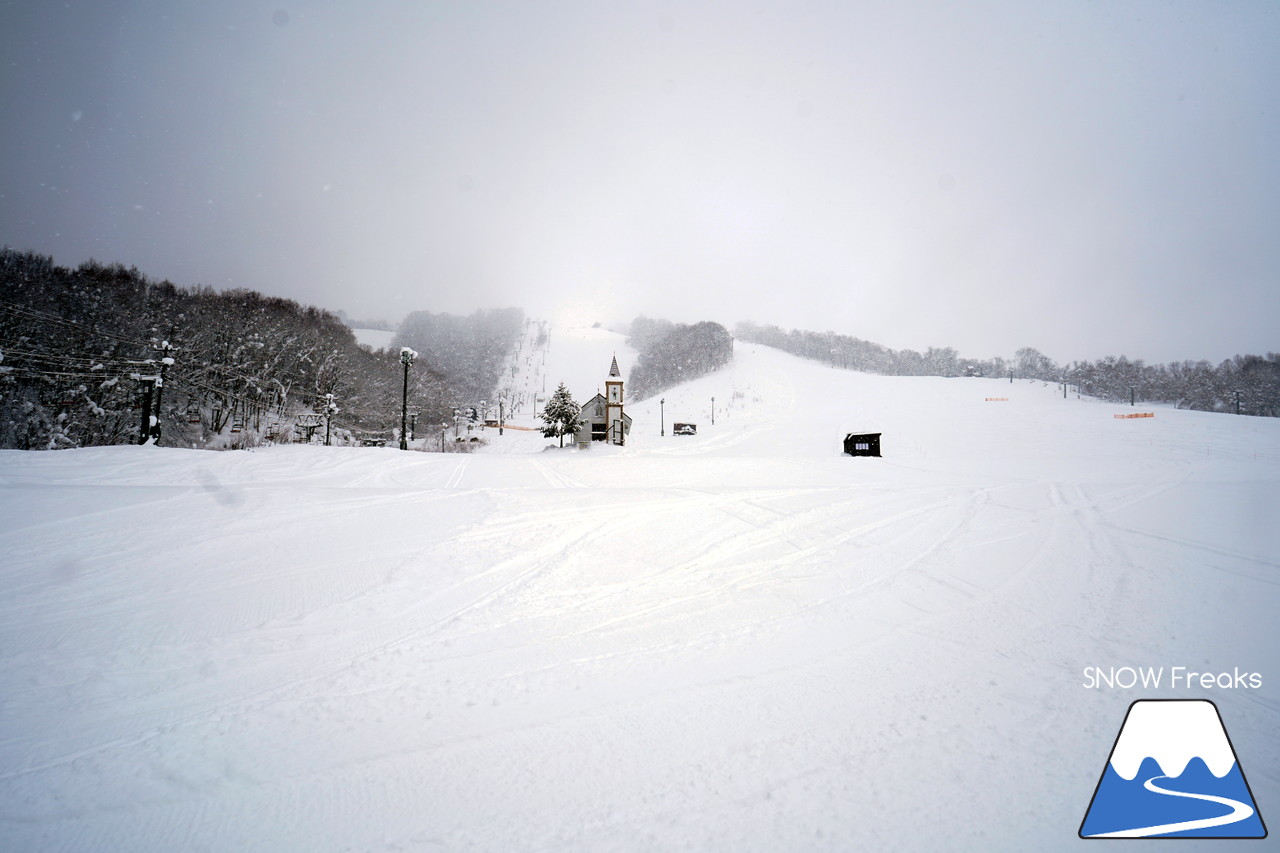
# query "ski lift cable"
(217, 391)
(55, 358)
(43, 316)
(36, 314)
(228, 395)
(51, 318)
(33, 373)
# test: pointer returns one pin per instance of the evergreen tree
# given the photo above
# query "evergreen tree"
(561, 415)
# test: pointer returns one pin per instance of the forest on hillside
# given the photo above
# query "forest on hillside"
(1247, 384)
(670, 353)
(473, 350)
(86, 351)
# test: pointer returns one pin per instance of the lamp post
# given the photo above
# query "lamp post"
(406, 358)
(662, 418)
(713, 411)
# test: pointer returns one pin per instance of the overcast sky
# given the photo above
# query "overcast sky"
(1085, 178)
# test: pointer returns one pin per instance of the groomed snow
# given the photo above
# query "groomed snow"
(741, 640)
(374, 339)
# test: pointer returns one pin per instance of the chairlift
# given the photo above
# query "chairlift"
(237, 426)
(193, 413)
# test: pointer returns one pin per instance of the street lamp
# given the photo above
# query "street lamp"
(406, 358)
(662, 422)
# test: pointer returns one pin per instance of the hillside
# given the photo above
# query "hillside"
(739, 640)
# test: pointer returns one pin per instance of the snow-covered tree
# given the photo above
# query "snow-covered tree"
(679, 354)
(561, 415)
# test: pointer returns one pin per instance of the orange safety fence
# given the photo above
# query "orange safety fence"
(997, 399)
(1139, 415)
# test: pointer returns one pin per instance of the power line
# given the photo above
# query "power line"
(32, 313)
(6, 370)
(54, 358)
(41, 363)
(44, 316)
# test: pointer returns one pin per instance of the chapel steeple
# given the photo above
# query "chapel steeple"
(614, 416)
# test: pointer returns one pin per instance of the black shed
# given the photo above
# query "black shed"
(862, 444)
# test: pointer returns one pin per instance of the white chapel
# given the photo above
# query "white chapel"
(603, 416)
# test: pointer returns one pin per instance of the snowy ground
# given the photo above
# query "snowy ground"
(741, 640)
(374, 338)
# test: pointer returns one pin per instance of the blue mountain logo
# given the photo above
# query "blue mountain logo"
(1172, 773)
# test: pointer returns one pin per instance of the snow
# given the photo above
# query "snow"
(577, 355)
(374, 339)
(740, 640)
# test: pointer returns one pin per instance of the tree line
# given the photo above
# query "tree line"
(669, 353)
(1249, 384)
(472, 350)
(77, 346)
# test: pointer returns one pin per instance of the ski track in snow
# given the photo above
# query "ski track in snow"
(740, 640)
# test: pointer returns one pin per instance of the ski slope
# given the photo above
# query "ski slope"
(740, 640)
(374, 339)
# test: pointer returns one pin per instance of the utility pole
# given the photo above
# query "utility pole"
(406, 358)
(501, 414)
(329, 411)
(166, 361)
(662, 417)
(148, 382)
(713, 411)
